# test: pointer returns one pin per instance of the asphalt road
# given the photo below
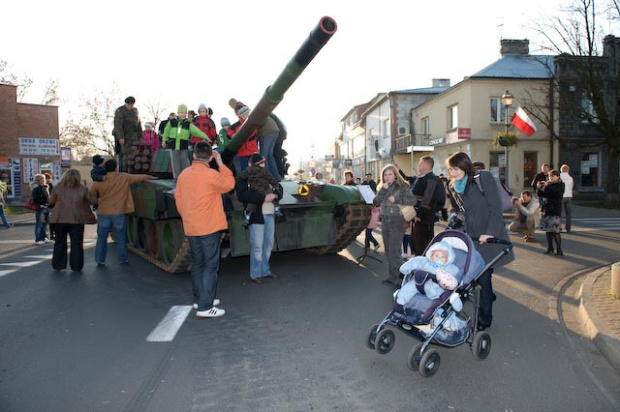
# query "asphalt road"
(80, 341)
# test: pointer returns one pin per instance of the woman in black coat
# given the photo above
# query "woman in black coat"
(550, 193)
(481, 211)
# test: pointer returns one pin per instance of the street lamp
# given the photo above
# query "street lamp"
(507, 99)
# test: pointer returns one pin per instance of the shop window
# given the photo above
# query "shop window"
(590, 167)
(497, 165)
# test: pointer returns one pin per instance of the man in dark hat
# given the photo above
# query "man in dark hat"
(127, 130)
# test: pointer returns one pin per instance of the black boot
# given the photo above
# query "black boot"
(549, 243)
(558, 243)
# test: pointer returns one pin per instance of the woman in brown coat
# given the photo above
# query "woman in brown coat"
(72, 211)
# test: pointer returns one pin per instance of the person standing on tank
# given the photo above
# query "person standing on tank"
(176, 138)
(127, 130)
(202, 212)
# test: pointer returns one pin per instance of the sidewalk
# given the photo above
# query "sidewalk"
(600, 314)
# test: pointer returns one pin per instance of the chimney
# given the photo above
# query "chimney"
(510, 46)
(441, 82)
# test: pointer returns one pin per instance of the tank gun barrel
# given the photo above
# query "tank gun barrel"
(319, 36)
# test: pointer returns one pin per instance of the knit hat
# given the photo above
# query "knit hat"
(130, 100)
(98, 159)
(225, 121)
(202, 106)
(149, 125)
(257, 159)
(182, 108)
(244, 111)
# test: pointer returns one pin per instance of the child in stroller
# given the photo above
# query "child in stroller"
(430, 313)
(436, 261)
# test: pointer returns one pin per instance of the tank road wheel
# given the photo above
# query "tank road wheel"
(413, 359)
(171, 239)
(349, 225)
(384, 342)
(372, 336)
(132, 234)
(429, 363)
(481, 346)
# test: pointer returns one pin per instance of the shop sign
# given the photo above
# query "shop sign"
(34, 146)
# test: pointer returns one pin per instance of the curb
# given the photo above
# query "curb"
(594, 325)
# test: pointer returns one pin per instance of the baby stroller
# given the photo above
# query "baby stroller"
(440, 321)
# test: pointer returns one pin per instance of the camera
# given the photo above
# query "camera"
(457, 221)
(246, 219)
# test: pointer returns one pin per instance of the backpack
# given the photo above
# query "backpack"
(505, 195)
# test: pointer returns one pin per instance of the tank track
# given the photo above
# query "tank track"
(181, 263)
(354, 220)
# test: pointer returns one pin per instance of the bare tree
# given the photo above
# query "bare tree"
(91, 132)
(23, 83)
(52, 93)
(575, 36)
(155, 110)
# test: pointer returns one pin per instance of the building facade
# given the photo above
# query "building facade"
(29, 143)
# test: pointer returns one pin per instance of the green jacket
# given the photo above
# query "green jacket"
(222, 139)
(177, 133)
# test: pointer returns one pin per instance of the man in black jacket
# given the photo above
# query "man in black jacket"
(426, 190)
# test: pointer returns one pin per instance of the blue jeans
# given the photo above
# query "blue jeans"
(205, 267)
(267, 143)
(370, 239)
(4, 222)
(261, 244)
(104, 226)
(240, 163)
(40, 226)
(567, 203)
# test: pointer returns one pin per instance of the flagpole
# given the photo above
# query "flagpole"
(506, 102)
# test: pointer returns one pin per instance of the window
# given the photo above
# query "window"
(453, 117)
(385, 128)
(587, 109)
(498, 112)
(426, 128)
(590, 169)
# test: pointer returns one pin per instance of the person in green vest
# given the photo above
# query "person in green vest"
(176, 139)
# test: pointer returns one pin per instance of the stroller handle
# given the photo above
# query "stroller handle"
(500, 241)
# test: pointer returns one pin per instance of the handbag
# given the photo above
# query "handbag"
(408, 212)
(32, 205)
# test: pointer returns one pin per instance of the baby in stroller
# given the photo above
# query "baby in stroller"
(437, 261)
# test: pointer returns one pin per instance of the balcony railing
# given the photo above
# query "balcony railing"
(402, 142)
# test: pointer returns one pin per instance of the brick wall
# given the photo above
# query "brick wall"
(8, 126)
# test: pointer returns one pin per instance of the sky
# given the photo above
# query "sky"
(209, 51)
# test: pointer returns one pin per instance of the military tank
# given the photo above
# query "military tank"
(320, 218)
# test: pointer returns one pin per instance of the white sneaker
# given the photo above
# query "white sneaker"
(211, 313)
(40, 242)
(216, 302)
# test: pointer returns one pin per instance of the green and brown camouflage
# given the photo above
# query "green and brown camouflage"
(320, 218)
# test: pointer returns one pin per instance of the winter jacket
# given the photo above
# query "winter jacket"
(483, 215)
(426, 189)
(207, 126)
(251, 188)
(250, 146)
(402, 196)
(223, 137)
(40, 195)
(177, 132)
(552, 195)
(72, 205)
(127, 126)
(198, 197)
(149, 136)
(114, 193)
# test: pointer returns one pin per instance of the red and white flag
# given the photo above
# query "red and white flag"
(523, 122)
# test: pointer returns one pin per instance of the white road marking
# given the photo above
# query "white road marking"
(5, 272)
(168, 327)
(40, 256)
(20, 264)
(20, 242)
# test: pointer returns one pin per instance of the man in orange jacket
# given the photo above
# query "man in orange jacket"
(198, 199)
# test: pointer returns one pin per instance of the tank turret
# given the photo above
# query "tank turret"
(322, 218)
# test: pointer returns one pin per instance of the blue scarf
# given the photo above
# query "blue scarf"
(459, 185)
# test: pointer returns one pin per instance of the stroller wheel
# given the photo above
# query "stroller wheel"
(429, 363)
(481, 347)
(372, 336)
(385, 341)
(413, 360)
